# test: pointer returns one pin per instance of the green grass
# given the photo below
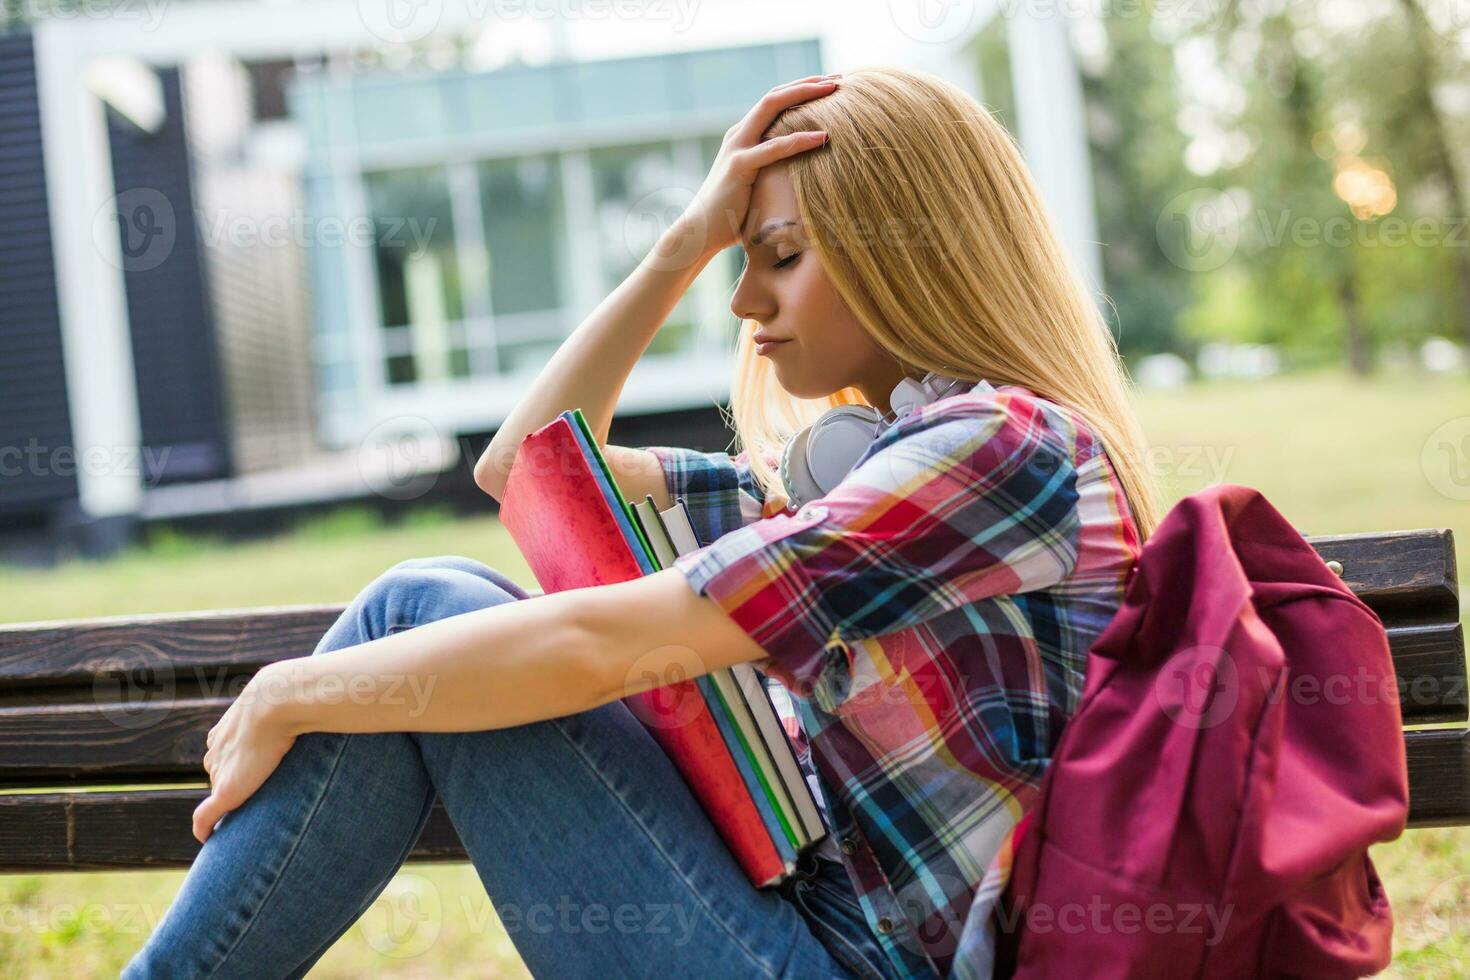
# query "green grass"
(1333, 454)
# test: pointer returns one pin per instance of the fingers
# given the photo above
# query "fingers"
(748, 131)
(809, 78)
(768, 152)
(206, 815)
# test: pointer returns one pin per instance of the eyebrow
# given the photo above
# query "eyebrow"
(771, 227)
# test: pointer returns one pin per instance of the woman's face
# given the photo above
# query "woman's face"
(785, 290)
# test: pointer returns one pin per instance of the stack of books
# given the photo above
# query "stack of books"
(575, 529)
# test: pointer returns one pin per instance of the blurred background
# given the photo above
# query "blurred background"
(273, 271)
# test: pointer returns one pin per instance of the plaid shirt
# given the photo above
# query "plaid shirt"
(931, 616)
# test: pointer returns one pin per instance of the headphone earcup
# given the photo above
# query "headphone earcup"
(795, 476)
(817, 458)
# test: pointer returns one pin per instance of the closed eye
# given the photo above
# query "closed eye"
(786, 261)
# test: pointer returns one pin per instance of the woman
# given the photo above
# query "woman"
(930, 612)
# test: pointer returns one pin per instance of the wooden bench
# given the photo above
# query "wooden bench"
(125, 702)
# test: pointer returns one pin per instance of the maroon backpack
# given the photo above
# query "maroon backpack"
(1208, 810)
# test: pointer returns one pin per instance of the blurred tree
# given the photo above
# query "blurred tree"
(1427, 68)
(1353, 223)
(1137, 149)
(1297, 236)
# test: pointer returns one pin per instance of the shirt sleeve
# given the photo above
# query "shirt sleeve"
(719, 490)
(953, 503)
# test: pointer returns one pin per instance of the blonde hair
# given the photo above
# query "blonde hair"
(933, 232)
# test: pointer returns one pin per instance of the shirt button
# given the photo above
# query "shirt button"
(849, 846)
(885, 925)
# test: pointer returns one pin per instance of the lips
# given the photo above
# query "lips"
(765, 338)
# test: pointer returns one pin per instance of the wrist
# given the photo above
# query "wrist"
(278, 698)
(683, 245)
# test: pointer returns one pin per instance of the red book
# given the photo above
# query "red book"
(574, 531)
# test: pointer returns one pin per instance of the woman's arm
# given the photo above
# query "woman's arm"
(591, 366)
(504, 665)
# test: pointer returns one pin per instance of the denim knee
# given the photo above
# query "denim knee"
(469, 565)
(420, 590)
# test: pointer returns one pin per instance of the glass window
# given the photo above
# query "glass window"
(413, 244)
(521, 200)
(633, 185)
(638, 191)
(418, 273)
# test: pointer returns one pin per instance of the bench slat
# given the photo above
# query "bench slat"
(1430, 664)
(1398, 571)
(145, 829)
(161, 732)
(1439, 777)
(73, 652)
(88, 742)
(151, 828)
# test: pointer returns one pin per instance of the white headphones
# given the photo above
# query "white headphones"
(817, 458)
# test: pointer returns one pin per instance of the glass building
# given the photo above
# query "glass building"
(484, 215)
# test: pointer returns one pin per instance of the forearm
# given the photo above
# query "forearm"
(591, 366)
(509, 664)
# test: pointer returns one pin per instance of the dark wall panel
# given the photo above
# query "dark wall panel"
(180, 401)
(37, 467)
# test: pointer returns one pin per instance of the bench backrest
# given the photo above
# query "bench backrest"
(127, 701)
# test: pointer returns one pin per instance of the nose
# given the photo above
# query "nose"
(751, 300)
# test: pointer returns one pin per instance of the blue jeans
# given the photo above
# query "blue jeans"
(582, 818)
